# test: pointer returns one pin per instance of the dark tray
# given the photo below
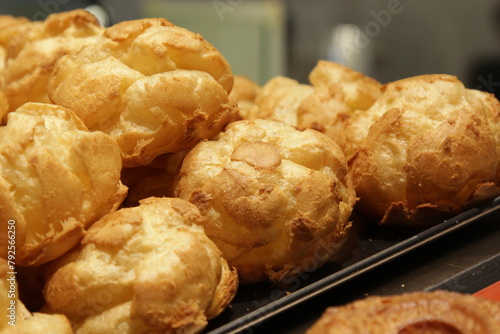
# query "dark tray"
(369, 246)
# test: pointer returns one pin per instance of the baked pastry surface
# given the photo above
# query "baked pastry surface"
(244, 92)
(56, 179)
(154, 87)
(334, 94)
(427, 148)
(33, 49)
(438, 312)
(148, 269)
(271, 195)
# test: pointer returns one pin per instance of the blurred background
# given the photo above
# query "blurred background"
(385, 39)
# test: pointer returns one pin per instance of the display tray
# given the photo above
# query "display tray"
(369, 246)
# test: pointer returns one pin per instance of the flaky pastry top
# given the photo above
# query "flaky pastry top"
(33, 49)
(154, 87)
(157, 269)
(270, 192)
(427, 142)
(56, 178)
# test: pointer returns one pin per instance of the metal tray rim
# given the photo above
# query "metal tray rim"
(254, 318)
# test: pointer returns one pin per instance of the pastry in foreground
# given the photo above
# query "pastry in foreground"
(438, 312)
(33, 49)
(56, 179)
(427, 149)
(272, 196)
(152, 86)
(16, 319)
(147, 269)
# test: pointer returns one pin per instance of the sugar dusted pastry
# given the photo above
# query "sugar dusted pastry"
(147, 269)
(438, 312)
(35, 48)
(271, 194)
(16, 319)
(154, 87)
(425, 148)
(56, 179)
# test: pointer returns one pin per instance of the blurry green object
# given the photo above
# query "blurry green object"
(37, 10)
(250, 34)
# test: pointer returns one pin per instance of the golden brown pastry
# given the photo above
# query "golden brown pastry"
(35, 47)
(9, 25)
(299, 105)
(16, 319)
(492, 109)
(426, 149)
(271, 194)
(147, 269)
(438, 312)
(56, 178)
(244, 92)
(335, 94)
(154, 87)
(357, 90)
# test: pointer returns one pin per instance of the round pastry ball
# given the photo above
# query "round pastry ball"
(357, 90)
(335, 94)
(56, 179)
(34, 48)
(425, 150)
(272, 196)
(414, 312)
(146, 269)
(152, 86)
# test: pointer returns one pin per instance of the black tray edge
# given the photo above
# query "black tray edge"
(254, 318)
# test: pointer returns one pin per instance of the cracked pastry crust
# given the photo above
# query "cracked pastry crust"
(56, 179)
(435, 312)
(33, 48)
(154, 87)
(336, 93)
(149, 268)
(427, 149)
(271, 195)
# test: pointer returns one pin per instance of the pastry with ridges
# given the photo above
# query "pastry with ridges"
(154, 87)
(427, 149)
(149, 268)
(56, 179)
(34, 48)
(270, 193)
